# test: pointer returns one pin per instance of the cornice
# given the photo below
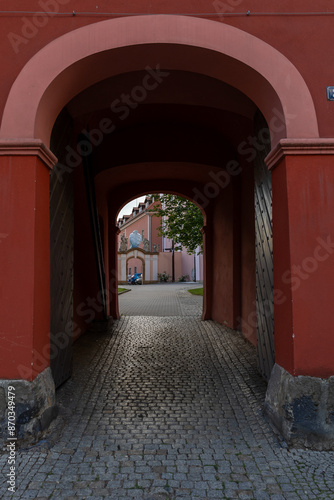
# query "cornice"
(299, 147)
(28, 147)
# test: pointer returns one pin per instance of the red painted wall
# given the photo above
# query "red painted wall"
(303, 220)
(25, 267)
(21, 36)
(234, 291)
(223, 265)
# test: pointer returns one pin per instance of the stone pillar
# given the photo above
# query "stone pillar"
(300, 395)
(25, 285)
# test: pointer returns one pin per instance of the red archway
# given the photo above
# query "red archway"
(56, 73)
(303, 200)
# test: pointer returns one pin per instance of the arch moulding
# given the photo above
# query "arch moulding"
(62, 69)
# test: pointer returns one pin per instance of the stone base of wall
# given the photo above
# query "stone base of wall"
(35, 407)
(302, 409)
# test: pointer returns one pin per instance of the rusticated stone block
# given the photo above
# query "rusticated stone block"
(302, 409)
(3, 403)
(35, 407)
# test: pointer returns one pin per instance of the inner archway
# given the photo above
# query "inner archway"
(180, 145)
(160, 246)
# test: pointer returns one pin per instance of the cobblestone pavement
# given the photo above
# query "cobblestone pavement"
(166, 299)
(166, 408)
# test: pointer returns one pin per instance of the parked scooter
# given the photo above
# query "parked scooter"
(136, 279)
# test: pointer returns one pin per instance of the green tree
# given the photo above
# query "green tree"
(181, 221)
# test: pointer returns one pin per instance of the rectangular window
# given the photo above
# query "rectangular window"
(142, 234)
(135, 269)
(129, 270)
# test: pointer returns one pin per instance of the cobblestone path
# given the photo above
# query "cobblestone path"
(161, 300)
(166, 408)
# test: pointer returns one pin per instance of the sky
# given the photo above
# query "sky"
(127, 209)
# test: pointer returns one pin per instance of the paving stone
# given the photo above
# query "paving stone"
(171, 300)
(167, 408)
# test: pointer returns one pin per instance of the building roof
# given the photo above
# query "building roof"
(141, 208)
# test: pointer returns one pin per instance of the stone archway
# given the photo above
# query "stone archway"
(149, 261)
(123, 263)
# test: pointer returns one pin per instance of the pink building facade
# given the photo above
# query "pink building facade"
(154, 254)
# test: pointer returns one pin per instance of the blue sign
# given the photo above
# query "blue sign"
(330, 93)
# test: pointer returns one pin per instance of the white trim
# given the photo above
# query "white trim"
(155, 268)
(147, 267)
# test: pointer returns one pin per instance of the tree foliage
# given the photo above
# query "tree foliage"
(181, 221)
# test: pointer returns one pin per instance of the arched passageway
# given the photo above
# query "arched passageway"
(172, 104)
